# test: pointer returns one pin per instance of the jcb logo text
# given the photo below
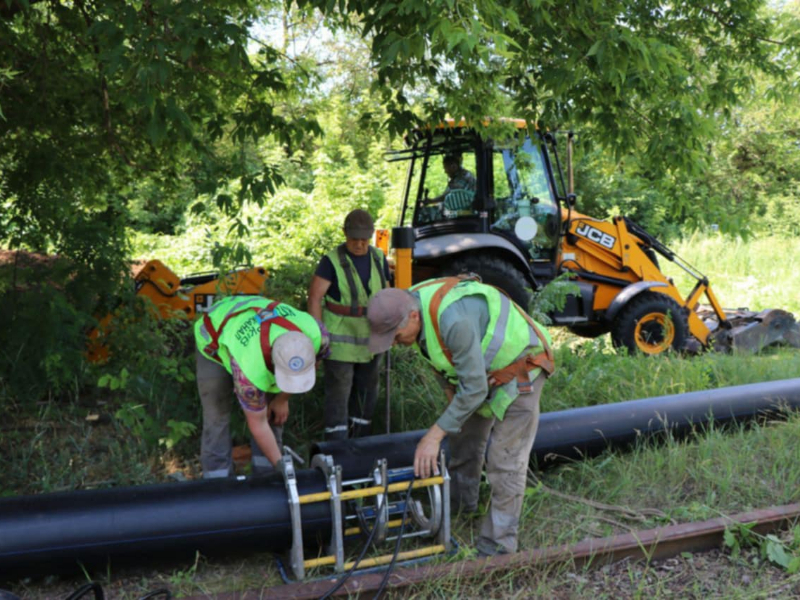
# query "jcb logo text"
(595, 235)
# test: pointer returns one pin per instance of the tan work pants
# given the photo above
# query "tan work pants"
(509, 447)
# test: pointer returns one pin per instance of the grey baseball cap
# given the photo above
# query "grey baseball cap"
(385, 311)
(358, 224)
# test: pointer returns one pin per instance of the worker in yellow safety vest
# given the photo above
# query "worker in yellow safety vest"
(493, 358)
(262, 351)
(345, 279)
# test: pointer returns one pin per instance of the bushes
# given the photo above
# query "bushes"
(44, 316)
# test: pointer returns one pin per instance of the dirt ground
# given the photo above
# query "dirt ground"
(713, 574)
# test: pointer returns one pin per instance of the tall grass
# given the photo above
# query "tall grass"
(758, 273)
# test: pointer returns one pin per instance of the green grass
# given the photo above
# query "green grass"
(758, 273)
(714, 473)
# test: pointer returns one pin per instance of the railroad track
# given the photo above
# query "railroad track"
(657, 543)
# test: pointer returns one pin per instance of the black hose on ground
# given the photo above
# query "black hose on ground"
(155, 522)
(579, 433)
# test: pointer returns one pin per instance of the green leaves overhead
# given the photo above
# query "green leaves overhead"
(634, 69)
(97, 96)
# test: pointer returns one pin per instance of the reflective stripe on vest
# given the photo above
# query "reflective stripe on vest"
(510, 335)
(349, 334)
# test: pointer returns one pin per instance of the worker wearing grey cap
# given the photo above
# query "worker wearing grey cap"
(345, 279)
(494, 358)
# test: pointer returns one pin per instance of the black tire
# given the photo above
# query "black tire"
(495, 271)
(651, 323)
(591, 330)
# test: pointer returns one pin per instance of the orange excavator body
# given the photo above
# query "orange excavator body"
(173, 297)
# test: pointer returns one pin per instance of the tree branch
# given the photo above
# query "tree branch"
(111, 137)
(721, 20)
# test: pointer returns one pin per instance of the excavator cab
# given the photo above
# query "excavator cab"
(486, 206)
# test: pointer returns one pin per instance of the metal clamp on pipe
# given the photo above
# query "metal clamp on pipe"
(286, 467)
(375, 510)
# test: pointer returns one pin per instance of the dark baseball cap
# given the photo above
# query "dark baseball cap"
(385, 311)
(358, 224)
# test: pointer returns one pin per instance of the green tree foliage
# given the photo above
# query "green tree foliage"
(102, 95)
(749, 186)
(117, 114)
(638, 71)
(290, 233)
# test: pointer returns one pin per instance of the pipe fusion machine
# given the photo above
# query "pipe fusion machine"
(378, 508)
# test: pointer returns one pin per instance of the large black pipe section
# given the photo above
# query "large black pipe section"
(582, 432)
(253, 513)
(55, 531)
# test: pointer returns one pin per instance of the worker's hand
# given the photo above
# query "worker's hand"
(278, 410)
(426, 456)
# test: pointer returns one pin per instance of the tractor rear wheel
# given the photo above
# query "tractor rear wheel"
(651, 323)
(497, 272)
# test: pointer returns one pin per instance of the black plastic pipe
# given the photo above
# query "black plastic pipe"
(582, 432)
(59, 530)
(215, 515)
(357, 456)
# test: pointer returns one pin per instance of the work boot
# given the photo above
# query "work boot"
(487, 548)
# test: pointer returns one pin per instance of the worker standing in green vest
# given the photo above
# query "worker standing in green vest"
(262, 351)
(494, 359)
(345, 279)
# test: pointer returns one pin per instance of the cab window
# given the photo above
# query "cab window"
(522, 190)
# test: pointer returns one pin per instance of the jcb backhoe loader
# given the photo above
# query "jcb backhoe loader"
(518, 229)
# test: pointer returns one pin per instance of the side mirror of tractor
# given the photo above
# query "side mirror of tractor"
(571, 199)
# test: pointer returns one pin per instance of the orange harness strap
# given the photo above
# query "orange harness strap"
(212, 349)
(436, 302)
(544, 360)
(520, 368)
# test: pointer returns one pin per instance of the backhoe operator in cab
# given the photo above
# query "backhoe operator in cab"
(457, 196)
(459, 177)
(494, 359)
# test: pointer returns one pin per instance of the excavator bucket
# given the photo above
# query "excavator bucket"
(750, 331)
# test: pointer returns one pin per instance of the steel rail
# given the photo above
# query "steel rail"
(657, 543)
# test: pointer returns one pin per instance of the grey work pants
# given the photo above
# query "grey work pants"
(215, 385)
(351, 391)
(510, 442)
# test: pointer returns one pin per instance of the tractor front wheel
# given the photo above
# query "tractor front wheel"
(651, 323)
